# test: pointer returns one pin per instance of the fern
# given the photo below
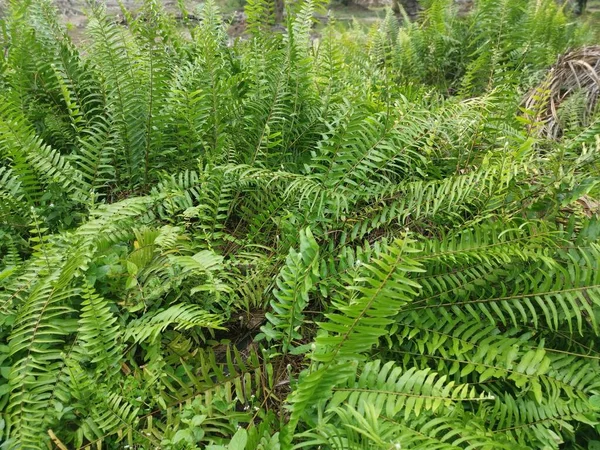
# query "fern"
(361, 320)
(294, 283)
(183, 316)
(341, 237)
(97, 321)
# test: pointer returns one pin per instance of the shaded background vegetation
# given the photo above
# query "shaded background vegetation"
(72, 11)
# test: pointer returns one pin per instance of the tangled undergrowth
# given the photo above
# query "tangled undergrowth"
(570, 92)
(359, 241)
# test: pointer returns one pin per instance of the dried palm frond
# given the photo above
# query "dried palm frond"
(574, 77)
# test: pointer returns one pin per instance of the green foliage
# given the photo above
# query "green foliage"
(351, 241)
(294, 282)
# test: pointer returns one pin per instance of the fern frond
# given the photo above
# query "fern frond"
(381, 289)
(393, 391)
(98, 333)
(183, 316)
(295, 281)
(362, 319)
(34, 162)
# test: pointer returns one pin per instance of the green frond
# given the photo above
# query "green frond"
(203, 263)
(294, 282)
(35, 346)
(118, 416)
(365, 310)
(14, 202)
(98, 334)
(393, 391)
(513, 297)
(113, 51)
(34, 163)
(260, 15)
(182, 316)
(361, 319)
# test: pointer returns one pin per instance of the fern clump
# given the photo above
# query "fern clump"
(356, 240)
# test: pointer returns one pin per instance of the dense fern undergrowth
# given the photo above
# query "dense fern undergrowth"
(354, 241)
